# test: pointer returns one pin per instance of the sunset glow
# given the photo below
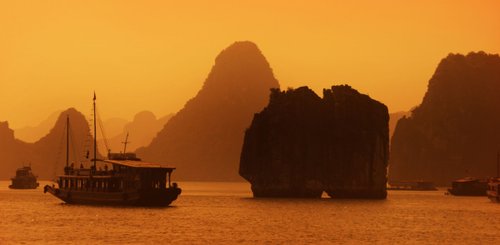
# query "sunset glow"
(155, 55)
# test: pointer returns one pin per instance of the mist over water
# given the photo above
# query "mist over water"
(214, 213)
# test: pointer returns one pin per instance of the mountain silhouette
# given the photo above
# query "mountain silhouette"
(203, 140)
(31, 134)
(455, 132)
(47, 156)
(143, 128)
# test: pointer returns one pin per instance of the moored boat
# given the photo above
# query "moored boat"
(468, 186)
(121, 179)
(24, 179)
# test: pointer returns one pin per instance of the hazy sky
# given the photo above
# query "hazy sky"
(155, 55)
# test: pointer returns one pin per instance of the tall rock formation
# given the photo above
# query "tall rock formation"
(455, 132)
(301, 145)
(203, 140)
(47, 155)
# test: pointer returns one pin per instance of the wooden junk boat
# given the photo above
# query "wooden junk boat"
(24, 179)
(128, 181)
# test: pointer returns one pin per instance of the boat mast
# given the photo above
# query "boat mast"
(67, 140)
(95, 136)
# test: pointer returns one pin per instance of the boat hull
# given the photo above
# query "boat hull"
(133, 198)
(24, 186)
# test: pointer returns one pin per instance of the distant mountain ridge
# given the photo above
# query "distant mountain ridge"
(113, 126)
(31, 134)
(455, 132)
(142, 129)
(203, 140)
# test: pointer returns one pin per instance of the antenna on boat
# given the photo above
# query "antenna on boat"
(95, 136)
(125, 144)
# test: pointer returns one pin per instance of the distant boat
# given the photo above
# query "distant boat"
(412, 186)
(493, 191)
(129, 181)
(468, 187)
(24, 179)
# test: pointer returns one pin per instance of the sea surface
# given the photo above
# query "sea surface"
(226, 213)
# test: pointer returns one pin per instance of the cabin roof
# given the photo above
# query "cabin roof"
(139, 164)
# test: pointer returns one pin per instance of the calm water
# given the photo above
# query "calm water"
(215, 213)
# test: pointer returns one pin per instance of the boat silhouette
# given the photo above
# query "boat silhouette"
(24, 179)
(121, 179)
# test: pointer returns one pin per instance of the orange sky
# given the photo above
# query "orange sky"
(155, 55)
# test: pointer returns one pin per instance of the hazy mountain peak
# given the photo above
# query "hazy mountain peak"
(240, 67)
(238, 49)
(141, 130)
(145, 116)
(204, 138)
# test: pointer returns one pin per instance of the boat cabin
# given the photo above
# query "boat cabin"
(123, 175)
(24, 171)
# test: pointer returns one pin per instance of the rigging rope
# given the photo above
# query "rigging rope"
(101, 127)
(86, 147)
